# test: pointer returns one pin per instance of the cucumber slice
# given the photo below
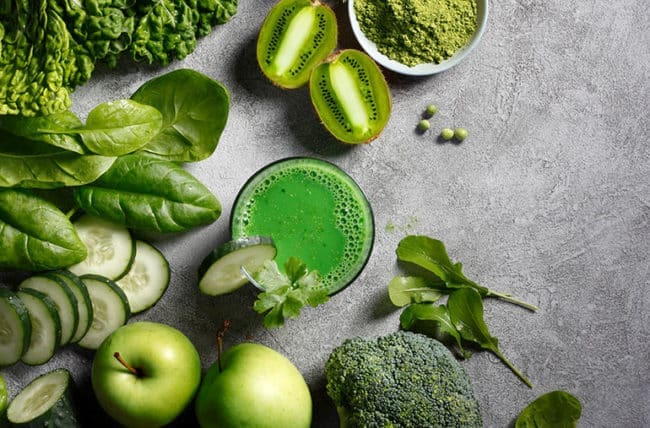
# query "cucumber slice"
(46, 402)
(110, 309)
(147, 279)
(63, 298)
(110, 248)
(46, 326)
(15, 328)
(221, 272)
(84, 305)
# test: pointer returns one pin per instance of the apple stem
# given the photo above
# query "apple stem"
(130, 368)
(220, 334)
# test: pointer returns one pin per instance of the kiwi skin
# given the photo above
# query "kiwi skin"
(351, 96)
(319, 42)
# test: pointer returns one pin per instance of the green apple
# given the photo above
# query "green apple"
(255, 387)
(144, 374)
(3, 395)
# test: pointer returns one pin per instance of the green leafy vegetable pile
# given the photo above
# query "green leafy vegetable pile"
(48, 47)
(461, 319)
(121, 165)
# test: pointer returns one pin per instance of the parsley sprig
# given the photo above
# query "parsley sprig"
(285, 294)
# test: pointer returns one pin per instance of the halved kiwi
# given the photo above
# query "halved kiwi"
(295, 36)
(351, 96)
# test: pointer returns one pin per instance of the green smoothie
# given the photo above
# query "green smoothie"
(312, 210)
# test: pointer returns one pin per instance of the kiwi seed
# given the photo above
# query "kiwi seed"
(295, 36)
(351, 96)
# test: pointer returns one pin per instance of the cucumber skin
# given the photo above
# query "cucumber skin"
(51, 307)
(166, 267)
(66, 275)
(23, 314)
(63, 414)
(88, 217)
(229, 247)
(116, 288)
(69, 294)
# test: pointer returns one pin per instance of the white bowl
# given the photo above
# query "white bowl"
(420, 69)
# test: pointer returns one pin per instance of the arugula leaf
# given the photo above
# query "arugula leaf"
(431, 255)
(287, 293)
(404, 290)
(555, 409)
(414, 315)
(466, 313)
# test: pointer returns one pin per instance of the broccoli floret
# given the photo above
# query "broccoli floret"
(403, 379)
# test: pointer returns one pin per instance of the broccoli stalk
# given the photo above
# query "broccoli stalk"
(403, 379)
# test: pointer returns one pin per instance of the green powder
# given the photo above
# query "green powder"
(417, 31)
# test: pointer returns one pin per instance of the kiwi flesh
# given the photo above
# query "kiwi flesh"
(351, 96)
(295, 36)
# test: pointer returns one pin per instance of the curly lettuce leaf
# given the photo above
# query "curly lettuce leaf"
(102, 29)
(165, 30)
(214, 12)
(38, 61)
(49, 47)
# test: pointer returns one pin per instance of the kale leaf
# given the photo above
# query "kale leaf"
(49, 47)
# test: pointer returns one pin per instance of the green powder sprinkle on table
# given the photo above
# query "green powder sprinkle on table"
(417, 31)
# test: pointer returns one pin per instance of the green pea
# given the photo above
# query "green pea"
(424, 125)
(460, 134)
(447, 134)
(431, 110)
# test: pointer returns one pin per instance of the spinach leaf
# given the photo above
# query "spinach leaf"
(35, 235)
(119, 127)
(145, 193)
(33, 164)
(51, 129)
(404, 290)
(418, 316)
(555, 409)
(195, 111)
(466, 313)
(431, 255)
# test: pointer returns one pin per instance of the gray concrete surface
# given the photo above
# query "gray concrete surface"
(548, 198)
